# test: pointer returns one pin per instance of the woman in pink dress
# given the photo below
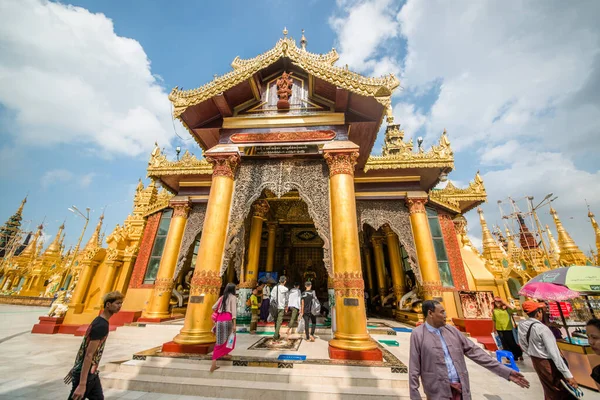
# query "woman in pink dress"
(226, 307)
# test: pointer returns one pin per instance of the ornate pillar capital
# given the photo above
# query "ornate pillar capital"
(181, 207)
(261, 208)
(224, 164)
(272, 226)
(377, 241)
(460, 224)
(387, 229)
(341, 162)
(416, 204)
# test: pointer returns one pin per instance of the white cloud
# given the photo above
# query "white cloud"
(63, 176)
(517, 86)
(362, 27)
(67, 77)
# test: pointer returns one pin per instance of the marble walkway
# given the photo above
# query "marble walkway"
(33, 366)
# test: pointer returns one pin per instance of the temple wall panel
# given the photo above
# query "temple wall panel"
(92, 298)
(136, 299)
(450, 304)
(141, 263)
(453, 249)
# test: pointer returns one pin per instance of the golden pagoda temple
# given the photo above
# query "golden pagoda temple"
(287, 185)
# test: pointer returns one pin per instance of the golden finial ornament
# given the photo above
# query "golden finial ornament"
(596, 231)
(492, 252)
(303, 41)
(285, 32)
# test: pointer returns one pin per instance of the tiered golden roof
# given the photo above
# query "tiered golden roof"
(397, 154)
(318, 65)
(452, 197)
(570, 254)
(159, 165)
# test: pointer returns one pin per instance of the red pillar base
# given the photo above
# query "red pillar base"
(159, 320)
(172, 347)
(125, 317)
(47, 325)
(363, 355)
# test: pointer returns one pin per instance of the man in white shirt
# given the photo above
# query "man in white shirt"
(294, 306)
(537, 340)
(280, 294)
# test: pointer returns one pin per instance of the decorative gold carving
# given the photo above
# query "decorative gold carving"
(224, 165)
(349, 284)
(181, 209)
(308, 177)
(112, 254)
(284, 91)
(163, 285)
(341, 163)
(188, 164)
(248, 284)
(398, 154)
(433, 288)
(452, 197)
(261, 208)
(393, 214)
(205, 282)
(416, 205)
(320, 66)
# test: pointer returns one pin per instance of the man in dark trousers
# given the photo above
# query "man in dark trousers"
(306, 311)
(84, 375)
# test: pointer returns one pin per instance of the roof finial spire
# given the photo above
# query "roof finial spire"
(303, 41)
(285, 32)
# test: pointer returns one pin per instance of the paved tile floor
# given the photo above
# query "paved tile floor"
(33, 366)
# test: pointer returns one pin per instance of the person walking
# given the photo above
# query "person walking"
(434, 341)
(306, 311)
(537, 340)
(226, 309)
(294, 307)
(592, 329)
(84, 374)
(266, 299)
(255, 311)
(502, 318)
(280, 294)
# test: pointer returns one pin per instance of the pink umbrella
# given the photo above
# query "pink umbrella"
(547, 291)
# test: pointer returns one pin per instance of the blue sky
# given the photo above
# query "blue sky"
(83, 89)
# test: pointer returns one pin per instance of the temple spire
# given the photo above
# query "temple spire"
(95, 238)
(596, 231)
(570, 254)
(31, 247)
(56, 245)
(303, 41)
(491, 249)
(554, 249)
(9, 231)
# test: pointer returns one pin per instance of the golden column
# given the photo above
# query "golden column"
(158, 306)
(272, 229)
(369, 268)
(398, 278)
(430, 274)
(112, 263)
(351, 320)
(377, 242)
(206, 282)
(261, 208)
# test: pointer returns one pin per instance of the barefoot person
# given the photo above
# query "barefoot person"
(502, 317)
(294, 307)
(306, 311)
(437, 356)
(84, 375)
(226, 307)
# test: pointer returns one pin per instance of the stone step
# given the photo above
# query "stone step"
(221, 387)
(330, 375)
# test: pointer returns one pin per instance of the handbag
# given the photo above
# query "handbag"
(300, 328)
(216, 313)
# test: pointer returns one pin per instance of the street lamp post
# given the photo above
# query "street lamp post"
(76, 211)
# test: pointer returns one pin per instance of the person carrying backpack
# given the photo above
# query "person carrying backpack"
(309, 304)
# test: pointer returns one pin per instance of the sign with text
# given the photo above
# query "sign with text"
(281, 150)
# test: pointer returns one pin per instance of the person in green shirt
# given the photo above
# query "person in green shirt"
(502, 317)
(255, 311)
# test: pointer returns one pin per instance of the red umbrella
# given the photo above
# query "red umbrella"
(547, 291)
